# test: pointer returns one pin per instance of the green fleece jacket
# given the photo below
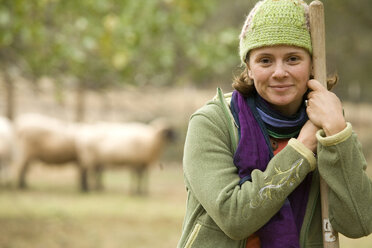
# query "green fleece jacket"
(221, 213)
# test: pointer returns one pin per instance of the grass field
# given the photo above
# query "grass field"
(53, 213)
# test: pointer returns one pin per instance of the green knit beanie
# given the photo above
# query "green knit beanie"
(276, 22)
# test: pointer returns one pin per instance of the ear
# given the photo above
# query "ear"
(249, 71)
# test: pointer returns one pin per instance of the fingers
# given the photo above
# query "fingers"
(315, 85)
(307, 136)
(324, 108)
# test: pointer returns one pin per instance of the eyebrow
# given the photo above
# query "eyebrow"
(264, 54)
(270, 54)
(294, 53)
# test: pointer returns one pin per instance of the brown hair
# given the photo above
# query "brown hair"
(244, 85)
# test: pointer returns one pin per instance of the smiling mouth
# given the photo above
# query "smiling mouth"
(281, 87)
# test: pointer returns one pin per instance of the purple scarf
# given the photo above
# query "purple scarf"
(254, 152)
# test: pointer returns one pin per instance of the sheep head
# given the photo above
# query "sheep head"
(164, 128)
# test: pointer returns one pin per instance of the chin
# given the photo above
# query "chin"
(281, 101)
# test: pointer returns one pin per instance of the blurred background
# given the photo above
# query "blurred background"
(77, 63)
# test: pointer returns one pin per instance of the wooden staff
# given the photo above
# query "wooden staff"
(317, 30)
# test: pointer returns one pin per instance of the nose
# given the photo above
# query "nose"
(280, 71)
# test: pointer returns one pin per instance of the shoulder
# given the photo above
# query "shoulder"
(215, 110)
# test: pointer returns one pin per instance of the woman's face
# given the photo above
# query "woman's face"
(280, 75)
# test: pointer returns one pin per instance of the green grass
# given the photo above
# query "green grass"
(58, 215)
(53, 213)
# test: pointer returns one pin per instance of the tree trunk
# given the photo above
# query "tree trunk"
(80, 102)
(9, 95)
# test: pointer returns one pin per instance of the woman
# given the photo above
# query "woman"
(252, 158)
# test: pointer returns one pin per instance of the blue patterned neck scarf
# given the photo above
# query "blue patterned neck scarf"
(278, 125)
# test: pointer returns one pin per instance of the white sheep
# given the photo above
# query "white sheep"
(134, 145)
(6, 150)
(45, 139)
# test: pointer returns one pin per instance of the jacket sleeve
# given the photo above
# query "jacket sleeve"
(342, 165)
(212, 177)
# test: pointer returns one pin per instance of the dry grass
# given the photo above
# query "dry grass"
(53, 214)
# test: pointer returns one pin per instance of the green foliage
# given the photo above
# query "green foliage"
(100, 42)
(160, 42)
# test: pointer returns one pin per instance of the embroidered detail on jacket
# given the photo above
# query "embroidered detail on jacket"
(280, 179)
(193, 236)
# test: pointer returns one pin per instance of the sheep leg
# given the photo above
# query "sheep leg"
(84, 180)
(133, 181)
(145, 181)
(5, 174)
(139, 180)
(98, 176)
(140, 175)
(22, 175)
(2, 173)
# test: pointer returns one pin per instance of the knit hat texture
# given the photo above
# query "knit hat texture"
(276, 22)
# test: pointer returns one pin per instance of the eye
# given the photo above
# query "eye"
(293, 59)
(265, 60)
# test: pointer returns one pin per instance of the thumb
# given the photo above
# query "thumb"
(315, 85)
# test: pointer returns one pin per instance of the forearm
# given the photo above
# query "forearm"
(342, 165)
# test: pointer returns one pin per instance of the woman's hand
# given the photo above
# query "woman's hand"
(307, 136)
(324, 109)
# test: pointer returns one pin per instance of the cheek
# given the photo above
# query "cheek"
(303, 76)
(259, 74)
